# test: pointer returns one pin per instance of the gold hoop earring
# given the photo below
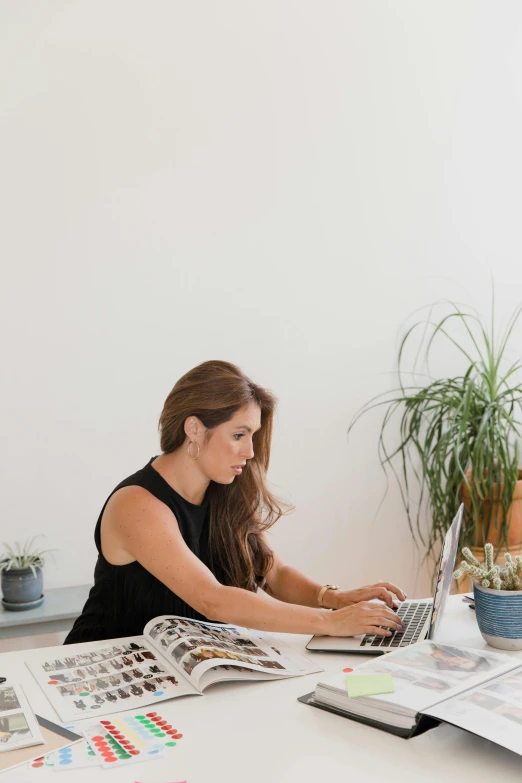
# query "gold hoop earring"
(188, 450)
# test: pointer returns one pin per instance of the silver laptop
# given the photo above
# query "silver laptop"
(420, 618)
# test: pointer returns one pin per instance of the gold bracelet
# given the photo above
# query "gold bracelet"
(323, 590)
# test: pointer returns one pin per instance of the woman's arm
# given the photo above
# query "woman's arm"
(288, 584)
(137, 526)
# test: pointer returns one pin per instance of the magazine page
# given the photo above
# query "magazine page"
(106, 678)
(18, 725)
(223, 673)
(196, 647)
(492, 710)
(428, 672)
(423, 675)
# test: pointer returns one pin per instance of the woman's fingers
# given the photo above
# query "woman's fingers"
(394, 626)
(401, 595)
(384, 591)
(374, 591)
(373, 630)
(364, 617)
(382, 616)
(385, 595)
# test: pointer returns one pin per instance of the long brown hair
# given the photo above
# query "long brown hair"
(239, 512)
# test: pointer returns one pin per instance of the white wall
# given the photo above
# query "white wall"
(277, 184)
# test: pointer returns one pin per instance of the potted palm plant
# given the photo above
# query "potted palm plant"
(458, 436)
(21, 576)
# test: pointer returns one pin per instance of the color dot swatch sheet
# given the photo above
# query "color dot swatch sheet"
(74, 756)
(115, 741)
(131, 738)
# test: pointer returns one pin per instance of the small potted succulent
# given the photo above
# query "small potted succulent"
(498, 597)
(21, 576)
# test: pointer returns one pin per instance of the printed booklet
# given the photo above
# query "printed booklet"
(477, 690)
(174, 657)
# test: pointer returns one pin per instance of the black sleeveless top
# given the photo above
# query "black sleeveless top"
(125, 597)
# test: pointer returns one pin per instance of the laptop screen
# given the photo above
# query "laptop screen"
(446, 567)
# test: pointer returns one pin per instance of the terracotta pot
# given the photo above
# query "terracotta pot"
(514, 537)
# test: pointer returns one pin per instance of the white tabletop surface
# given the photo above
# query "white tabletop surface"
(257, 732)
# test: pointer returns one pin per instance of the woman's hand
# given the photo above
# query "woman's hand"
(385, 591)
(362, 618)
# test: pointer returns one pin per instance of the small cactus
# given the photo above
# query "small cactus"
(490, 575)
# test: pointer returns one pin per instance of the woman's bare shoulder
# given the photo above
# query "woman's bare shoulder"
(135, 502)
(132, 519)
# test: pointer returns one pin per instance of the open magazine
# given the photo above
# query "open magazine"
(174, 657)
(433, 683)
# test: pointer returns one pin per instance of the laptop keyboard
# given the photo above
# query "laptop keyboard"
(413, 616)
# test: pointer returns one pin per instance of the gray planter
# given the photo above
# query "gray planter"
(20, 586)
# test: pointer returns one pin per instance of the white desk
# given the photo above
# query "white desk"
(259, 733)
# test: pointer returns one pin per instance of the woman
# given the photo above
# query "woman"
(186, 534)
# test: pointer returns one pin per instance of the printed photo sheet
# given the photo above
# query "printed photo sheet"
(106, 678)
(18, 725)
(423, 675)
(426, 673)
(210, 652)
(492, 711)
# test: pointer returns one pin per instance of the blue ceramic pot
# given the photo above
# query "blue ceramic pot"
(19, 585)
(499, 616)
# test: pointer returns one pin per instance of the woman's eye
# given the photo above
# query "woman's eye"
(238, 436)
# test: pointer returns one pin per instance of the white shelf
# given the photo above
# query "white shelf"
(61, 606)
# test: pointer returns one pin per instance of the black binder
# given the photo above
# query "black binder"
(424, 722)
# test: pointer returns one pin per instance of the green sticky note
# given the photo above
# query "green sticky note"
(368, 684)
